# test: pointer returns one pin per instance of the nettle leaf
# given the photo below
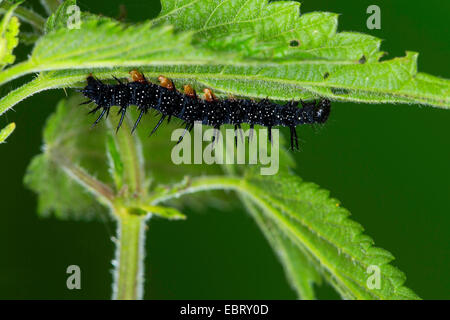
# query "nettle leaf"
(104, 46)
(83, 171)
(9, 30)
(52, 5)
(58, 193)
(251, 49)
(320, 228)
(70, 152)
(158, 164)
(317, 60)
(115, 162)
(274, 27)
(65, 16)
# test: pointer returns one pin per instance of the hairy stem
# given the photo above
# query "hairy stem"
(128, 264)
(129, 259)
(240, 185)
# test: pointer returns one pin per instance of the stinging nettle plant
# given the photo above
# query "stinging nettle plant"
(251, 49)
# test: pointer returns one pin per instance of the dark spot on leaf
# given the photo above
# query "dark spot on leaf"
(294, 43)
(326, 75)
(362, 60)
(340, 91)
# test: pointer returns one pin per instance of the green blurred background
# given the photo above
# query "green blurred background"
(388, 164)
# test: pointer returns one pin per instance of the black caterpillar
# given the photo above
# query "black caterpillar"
(189, 108)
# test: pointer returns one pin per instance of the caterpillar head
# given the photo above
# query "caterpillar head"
(322, 111)
(92, 89)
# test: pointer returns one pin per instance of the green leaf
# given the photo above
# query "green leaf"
(29, 38)
(64, 17)
(101, 44)
(79, 168)
(165, 212)
(6, 131)
(9, 29)
(257, 21)
(24, 14)
(316, 223)
(300, 271)
(320, 227)
(115, 162)
(59, 175)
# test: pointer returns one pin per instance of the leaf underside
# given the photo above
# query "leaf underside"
(6, 131)
(242, 48)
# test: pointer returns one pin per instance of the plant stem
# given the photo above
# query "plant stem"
(129, 265)
(51, 5)
(129, 260)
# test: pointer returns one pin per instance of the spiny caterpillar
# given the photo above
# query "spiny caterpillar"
(188, 107)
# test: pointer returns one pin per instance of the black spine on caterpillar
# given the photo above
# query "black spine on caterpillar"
(213, 112)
